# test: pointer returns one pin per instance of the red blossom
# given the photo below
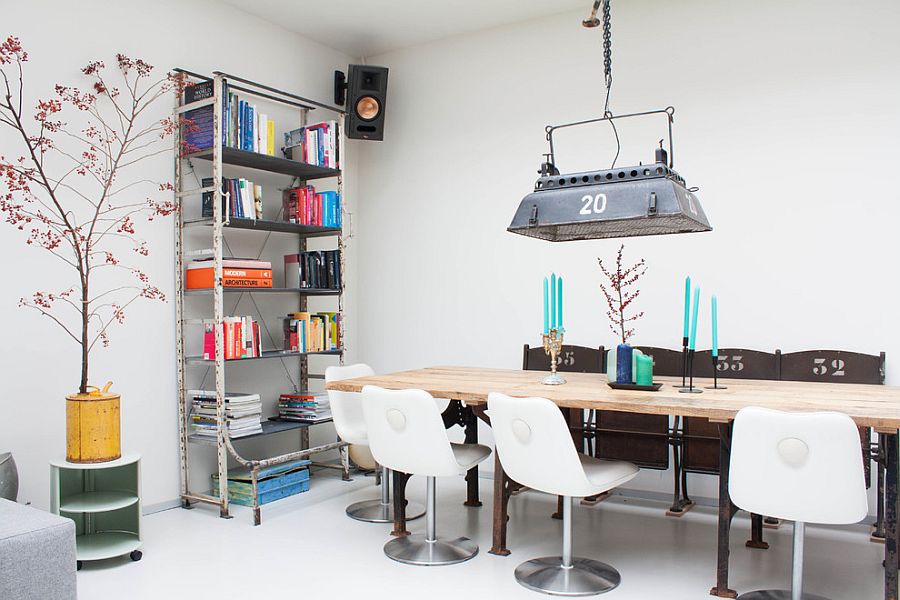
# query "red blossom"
(11, 50)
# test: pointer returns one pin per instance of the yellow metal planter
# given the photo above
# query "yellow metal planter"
(92, 426)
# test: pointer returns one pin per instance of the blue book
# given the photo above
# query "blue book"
(331, 208)
(240, 131)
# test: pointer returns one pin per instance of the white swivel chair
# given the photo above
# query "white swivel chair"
(801, 467)
(406, 433)
(346, 411)
(536, 450)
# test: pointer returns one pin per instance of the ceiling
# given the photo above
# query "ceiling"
(365, 28)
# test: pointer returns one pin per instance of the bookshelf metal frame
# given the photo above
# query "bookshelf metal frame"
(221, 156)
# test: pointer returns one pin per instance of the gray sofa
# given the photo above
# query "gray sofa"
(37, 554)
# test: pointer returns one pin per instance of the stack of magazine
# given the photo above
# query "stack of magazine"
(304, 408)
(243, 413)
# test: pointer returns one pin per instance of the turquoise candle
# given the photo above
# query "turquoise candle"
(546, 307)
(687, 305)
(552, 300)
(644, 374)
(715, 327)
(559, 303)
(692, 344)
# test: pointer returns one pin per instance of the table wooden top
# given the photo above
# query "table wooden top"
(875, 406)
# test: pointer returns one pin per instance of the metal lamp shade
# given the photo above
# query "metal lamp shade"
(632, 201)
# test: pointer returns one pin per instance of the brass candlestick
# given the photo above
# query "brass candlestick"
(553, 342)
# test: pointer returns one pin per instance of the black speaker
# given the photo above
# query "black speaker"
(365, 93)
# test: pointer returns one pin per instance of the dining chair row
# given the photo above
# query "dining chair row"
(646, 439)
(801, 458)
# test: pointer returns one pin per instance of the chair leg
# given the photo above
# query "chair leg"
(797, 561)
(382, 511)
(429, 549)
(567, 575)
(796, 591)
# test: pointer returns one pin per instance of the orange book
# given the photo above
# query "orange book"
(204, 278)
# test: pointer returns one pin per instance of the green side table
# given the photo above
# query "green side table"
(104, 500)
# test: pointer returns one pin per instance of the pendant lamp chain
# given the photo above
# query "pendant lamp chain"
(607, 54)
(607, 75)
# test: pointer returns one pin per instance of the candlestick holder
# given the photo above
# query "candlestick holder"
(684, 362)
(553, 342)
(690, 389)
(715, 385)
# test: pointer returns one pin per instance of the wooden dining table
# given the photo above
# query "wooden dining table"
(874, 406)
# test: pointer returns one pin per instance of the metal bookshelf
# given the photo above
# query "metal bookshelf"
(220, 157)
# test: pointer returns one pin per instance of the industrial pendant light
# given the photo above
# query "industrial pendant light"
(649, 199)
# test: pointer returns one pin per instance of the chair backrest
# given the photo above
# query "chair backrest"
(346, 407)
(572, 359)
(738, 363)
(665, 362)
(833, 366)
(406, 432)
(535, 446)
(797, 466)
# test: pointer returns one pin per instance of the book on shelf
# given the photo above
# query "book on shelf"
(304, 408)
(198, 130)
(305, 206)
(314, 145)
(241, 338)
(317, 269)
(312, 332)
(236, 273)
(243, 413)
(243, 198)
(243, 126)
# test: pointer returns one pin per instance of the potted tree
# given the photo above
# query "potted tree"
(619, 292)
(75, 189)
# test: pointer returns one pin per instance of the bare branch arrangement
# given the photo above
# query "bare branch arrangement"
(67, 188)
(619, 295)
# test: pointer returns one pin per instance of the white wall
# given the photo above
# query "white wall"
(786, 118)
(39, 366)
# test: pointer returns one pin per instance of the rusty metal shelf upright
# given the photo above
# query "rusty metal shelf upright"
(221, 156)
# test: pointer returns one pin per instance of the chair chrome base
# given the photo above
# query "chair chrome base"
(585, 577)
(416, 550)
(375, 511)
(776, 595)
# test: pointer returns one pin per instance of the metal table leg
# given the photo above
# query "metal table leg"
(727, 509)
(502, 488)
(892, 475)
(472, 474)
(756, 533)
(400, 481)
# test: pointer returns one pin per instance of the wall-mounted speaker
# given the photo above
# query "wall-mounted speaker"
(365, 92)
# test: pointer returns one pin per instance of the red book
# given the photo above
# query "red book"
(209, 341)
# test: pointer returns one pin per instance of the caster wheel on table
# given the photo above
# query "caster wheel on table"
(78, 565)
(136, 555)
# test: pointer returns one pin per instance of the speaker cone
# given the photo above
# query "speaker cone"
(367, 108)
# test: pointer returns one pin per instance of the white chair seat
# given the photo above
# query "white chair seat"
(469, 455)
(606, 474)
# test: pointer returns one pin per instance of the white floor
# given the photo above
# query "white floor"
(307, 548)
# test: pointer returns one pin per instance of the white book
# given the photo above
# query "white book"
(263, 134)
